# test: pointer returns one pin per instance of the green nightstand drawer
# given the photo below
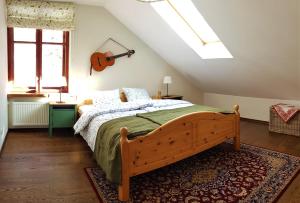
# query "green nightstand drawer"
(63, 118)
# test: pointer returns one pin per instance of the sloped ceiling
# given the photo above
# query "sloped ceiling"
(262, 35)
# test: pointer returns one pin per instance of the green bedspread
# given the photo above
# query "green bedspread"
(107, 148)
(163, 116)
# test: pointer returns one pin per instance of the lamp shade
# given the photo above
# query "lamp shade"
(62, 81)
(167, 80)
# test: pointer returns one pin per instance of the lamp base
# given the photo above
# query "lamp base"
(167, 89)
(60, 102)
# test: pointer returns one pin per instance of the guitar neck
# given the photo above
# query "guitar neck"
(129, 53)
(119, 55)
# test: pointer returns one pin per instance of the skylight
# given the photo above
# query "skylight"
(184, 18)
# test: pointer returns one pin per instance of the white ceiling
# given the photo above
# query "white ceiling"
(262, 35)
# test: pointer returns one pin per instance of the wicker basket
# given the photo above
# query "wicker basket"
(292, 127)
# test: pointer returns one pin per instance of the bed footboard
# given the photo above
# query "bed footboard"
(174, 141)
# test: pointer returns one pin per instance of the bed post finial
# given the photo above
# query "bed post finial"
(123, 133)
(124, 185)
(236, 109)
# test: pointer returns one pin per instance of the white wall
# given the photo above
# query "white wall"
(250, 107)
(144, 69)
(3, 74)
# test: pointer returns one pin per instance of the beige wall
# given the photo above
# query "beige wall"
(250, 107)
(144, 69)
(3, 75)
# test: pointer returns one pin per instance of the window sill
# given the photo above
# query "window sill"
(24, 94)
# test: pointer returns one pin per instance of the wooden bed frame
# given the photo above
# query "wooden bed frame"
(178, 139)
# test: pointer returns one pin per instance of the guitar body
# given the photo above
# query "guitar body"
(100, 60)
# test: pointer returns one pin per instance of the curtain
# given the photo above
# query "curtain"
(40, 14)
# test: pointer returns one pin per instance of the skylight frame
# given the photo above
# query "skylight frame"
(197, 34)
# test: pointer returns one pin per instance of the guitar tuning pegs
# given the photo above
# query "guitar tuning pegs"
(131, 52)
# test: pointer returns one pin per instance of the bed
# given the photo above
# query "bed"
(132, 138)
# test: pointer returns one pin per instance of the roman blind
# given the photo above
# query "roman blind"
(41, 14)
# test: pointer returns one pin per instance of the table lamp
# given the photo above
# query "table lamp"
(167, 80)
(62, 82)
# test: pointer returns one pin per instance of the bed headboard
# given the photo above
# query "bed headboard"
(89, 101)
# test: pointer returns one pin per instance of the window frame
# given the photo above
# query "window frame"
(39, 45)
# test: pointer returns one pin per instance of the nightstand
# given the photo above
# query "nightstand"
(177, 97)
(61, 115)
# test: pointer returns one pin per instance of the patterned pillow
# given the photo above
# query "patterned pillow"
(106, 97)
(133, 94)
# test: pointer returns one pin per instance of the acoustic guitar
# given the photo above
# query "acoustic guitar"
(100, 61)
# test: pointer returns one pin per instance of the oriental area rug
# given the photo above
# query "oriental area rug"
(219, 174)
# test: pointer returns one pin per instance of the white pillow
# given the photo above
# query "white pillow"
(106, 97)
(133, 94)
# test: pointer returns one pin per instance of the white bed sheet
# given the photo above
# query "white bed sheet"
(89, 130)
(85, 108)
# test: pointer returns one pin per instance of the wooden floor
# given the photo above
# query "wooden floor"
(36, 168)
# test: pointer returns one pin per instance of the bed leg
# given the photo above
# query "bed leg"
(236, 139)
(124, 191)
(125, 179)
(237, 143)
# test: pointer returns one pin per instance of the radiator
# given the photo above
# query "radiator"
(28, 114)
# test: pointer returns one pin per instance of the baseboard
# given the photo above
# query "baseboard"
(28, 127)
(254, 121)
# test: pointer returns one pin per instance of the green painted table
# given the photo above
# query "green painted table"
(61, 115)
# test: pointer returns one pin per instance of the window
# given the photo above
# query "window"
(38, 58)
(184, 18)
